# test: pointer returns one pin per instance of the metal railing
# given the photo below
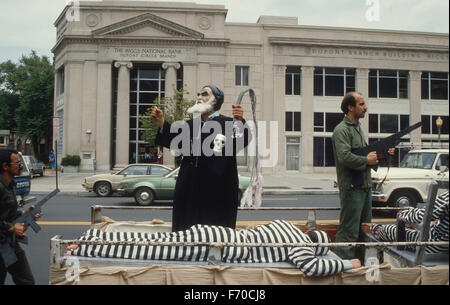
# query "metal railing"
(311, 221)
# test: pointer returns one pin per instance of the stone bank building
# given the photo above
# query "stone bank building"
(114, 58)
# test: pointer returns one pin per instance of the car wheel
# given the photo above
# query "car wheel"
(403, 198)
(144, 196)
(102, 189)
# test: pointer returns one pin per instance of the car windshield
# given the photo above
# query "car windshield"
(418, 160)
(24, 171)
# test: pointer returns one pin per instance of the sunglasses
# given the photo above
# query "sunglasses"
(18, 163)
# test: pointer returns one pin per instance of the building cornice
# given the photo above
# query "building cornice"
(355, 44)
(172, 41)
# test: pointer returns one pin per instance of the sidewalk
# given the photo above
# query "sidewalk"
(273, 184)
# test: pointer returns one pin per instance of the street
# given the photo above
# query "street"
(69, 216)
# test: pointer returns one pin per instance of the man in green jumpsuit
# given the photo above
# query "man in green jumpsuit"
(356, 200)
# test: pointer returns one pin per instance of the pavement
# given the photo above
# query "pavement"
(273, 184)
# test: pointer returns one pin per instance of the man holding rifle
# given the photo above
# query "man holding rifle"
(11, 166)
(353, 175)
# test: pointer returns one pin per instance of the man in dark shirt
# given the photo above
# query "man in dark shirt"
(10, 166)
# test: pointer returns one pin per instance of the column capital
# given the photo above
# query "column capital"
(168, 65)
(362, 73)
(308, 71)
(415, 75)
(125, 64)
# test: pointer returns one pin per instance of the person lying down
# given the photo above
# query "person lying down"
(309, 260)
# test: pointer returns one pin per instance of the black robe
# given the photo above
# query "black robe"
(207, 187)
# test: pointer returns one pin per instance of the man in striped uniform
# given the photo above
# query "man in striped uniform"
(307, 259)
(438, 229)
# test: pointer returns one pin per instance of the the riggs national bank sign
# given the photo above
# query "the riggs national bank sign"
(116, 57)
(150, 54)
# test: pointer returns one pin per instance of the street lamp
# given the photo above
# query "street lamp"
(439, 124)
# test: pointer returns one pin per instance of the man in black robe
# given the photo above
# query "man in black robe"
(207, 187)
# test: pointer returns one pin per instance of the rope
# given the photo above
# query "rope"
(252, 196)
(272, 245)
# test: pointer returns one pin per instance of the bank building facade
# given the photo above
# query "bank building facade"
(114, 58)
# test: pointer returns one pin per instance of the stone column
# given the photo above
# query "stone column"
(104, 116)
(307, 141)
(279, 109)
(415, 108)
(169, 92)
(171, 78)
(123, 114)
(362, 86)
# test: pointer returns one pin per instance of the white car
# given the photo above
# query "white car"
(35, 166)
(105, 184)
(408, 184)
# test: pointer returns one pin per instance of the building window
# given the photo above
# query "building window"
(60, 81)
(2, 140)
(293, 76)
(327, 121)
(242, 73)
(323, 152)
(333, 81)
(435, 86)
(388, 84)
(429, 124)
(387, 123)
(147, 84)
(293, 121)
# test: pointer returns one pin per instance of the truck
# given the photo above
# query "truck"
(23, 184)
(408, 184)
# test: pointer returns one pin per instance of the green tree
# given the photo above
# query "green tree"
(9, 102)
(174, 109)
(31, 82)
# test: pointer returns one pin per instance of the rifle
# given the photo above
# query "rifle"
(381, 147)
(27, 218)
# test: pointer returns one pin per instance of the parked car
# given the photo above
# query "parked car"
(35, 166)
(105, 184)
(147, 189)
(408, 184)
(23, 184)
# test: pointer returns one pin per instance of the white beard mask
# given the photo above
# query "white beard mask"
(201, 108)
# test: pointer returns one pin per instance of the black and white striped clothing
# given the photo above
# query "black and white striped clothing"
(279, 231)
(438, 230)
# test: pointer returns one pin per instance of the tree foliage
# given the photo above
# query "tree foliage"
(26, 90)
(174, 109)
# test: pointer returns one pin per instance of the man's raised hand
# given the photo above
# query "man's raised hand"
(157, 116)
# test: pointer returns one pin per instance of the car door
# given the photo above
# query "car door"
(168, 186)
(130, 171)
(438, 173)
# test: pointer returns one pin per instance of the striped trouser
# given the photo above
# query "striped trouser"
(388, 232)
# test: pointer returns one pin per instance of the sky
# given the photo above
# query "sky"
(27, 25)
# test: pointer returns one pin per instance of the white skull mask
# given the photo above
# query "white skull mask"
(219, 143)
